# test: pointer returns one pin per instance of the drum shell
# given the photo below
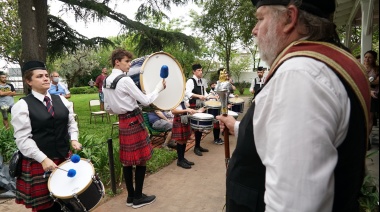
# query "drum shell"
(90, 198)
(215, 111)
(238, 107)
(201, 123)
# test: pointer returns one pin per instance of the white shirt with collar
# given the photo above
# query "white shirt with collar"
(190, 86)
(123, 98)
(23, 127)
(301, 117)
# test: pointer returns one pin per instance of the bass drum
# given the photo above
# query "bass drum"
(149, 76)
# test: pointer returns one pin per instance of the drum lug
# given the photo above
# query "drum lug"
(78, 200)
(63, 207)
(98, 184)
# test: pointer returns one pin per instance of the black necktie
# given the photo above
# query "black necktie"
(49, 106)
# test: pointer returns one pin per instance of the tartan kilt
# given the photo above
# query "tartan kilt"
(180, 132)
(31, 188)
(134, 140)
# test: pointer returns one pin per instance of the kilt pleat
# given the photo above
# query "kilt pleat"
(180, 131)
(135, 146)
(31, 188)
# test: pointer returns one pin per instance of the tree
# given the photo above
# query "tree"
(78, 65)
(225, 21)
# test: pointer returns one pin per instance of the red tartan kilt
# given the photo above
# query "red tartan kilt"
(180, 132)
(31, 188)
(135, 147)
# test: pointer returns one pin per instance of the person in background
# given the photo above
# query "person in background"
(91, 83)
(57, 88)
(44, 129)
(160, 121)
(301, 146)
(372, 69)
(7, 91)
(99, 84)
(197, 94)
(257, 82)
(135, 147)
(182, 132)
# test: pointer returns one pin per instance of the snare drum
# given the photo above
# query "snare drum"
(237, 104)
(145, 72)
(82, 192)
(213, 107)
(232, 113)
(201, 121)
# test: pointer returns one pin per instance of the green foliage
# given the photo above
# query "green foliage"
(7, 144)
(83, 90)
(160, 159)
(369, 199)
(242, 87)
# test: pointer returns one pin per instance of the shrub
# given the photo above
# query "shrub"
(7, 144)
(83, 90)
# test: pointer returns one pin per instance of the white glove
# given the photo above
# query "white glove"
(159, 87)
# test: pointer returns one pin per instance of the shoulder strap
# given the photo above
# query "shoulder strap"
(114, 82)
(195, 82)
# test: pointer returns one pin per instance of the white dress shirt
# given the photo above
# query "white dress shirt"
(301, 117)
(23, 128)
(123, 98)
(190, 86)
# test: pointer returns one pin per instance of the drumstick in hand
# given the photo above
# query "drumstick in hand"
(164, 73)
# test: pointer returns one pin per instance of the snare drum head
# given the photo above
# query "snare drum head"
(232, 113)
(235, 100)
(203, 116)
(213, 104)
(65, 187)
(174, 92)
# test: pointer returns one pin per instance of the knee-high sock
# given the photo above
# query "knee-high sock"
(180, 151)
(128, 177)
(216, 132)
(198, 136)
(139, 180)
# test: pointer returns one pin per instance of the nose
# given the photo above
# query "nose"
(254, 31)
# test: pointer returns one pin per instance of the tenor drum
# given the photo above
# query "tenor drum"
(82, 192)
(201, 121)
(237, 104)
(145, 72)
(213, 107)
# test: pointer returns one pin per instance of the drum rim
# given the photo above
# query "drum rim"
(237, 98)
(183, 77)
(80, 192)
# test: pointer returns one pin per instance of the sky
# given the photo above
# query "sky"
(109, 27)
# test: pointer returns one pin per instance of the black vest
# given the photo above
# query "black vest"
(50, 133)
(197, 90)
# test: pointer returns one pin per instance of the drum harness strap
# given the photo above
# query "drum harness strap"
(114, 82)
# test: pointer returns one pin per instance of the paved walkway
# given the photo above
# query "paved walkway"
(201, 188)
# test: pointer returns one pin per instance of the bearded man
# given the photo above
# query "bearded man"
(301, 145)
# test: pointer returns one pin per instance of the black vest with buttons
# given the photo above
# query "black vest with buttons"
(197, 90)
(50, 133)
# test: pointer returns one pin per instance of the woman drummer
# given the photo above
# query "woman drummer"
(43, 126)
(181, 132)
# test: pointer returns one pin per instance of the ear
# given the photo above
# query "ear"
(291, 18)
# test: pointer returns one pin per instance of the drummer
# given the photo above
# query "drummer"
(181, 132)
(135, 148)
(196, 91)
(43, 126)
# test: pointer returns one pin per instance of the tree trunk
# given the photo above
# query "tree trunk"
(33, 17)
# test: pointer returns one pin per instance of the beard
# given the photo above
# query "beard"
(269, 44)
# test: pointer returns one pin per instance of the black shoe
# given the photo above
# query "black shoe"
(144, 200)
(198, 152)
(218, 141)
(183, 164)
(188, 162)
(129, 201)
(203, 149)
